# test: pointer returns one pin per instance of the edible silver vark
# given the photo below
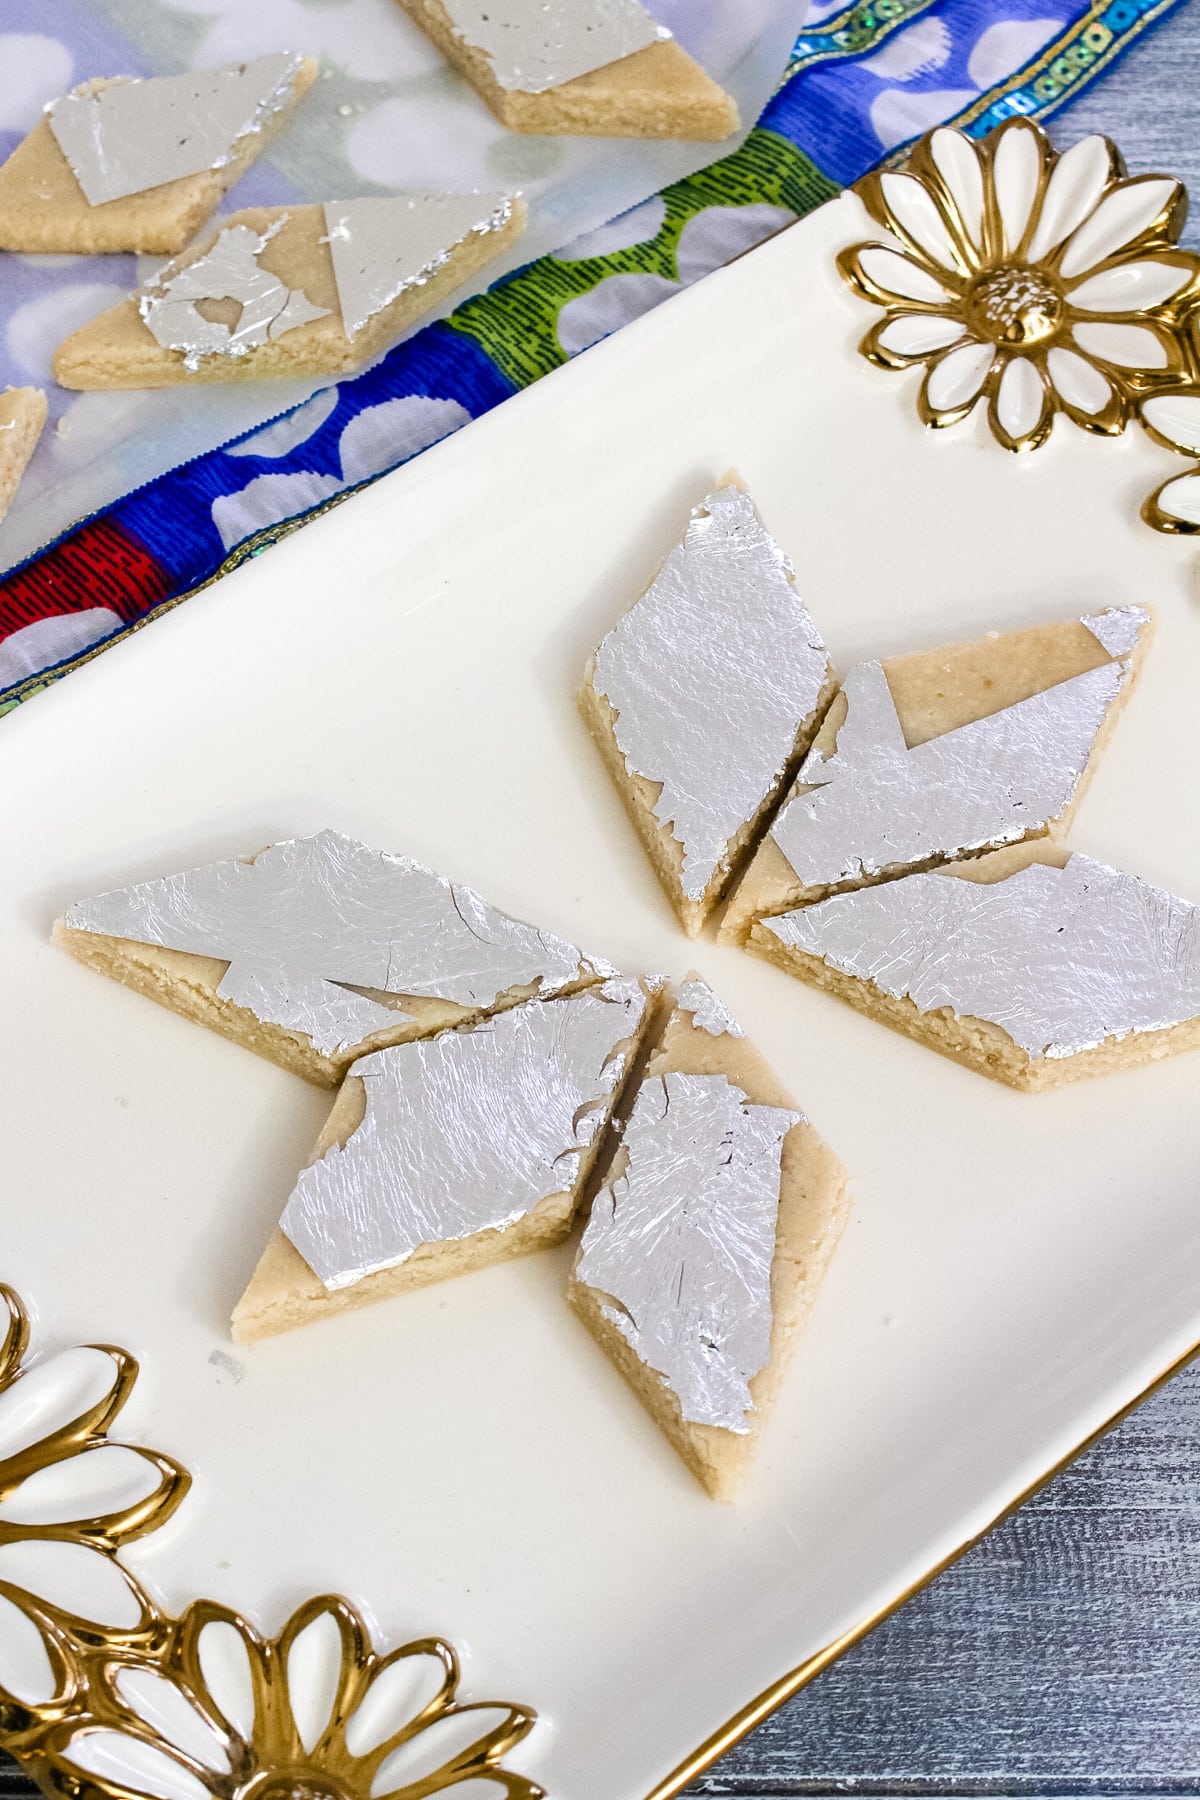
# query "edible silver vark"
(533, 45)
(1060, 959)
(134, 135)
(875, 805)
(1117, 628)
(683, 1240)
(709, 1012)
(464, 1132)
(329, 907)
(229, 270)
(712, 674)
(382, 247)
(333, 1018)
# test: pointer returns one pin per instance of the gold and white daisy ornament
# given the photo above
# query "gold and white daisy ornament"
(1037, 282)
(1174, 420)
(316, 1711)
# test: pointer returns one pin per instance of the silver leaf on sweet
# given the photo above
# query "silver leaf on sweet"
(708, 1010)
(1060, 959)
(134, 135)
(683, 1240)
(711, 674)
(465, 1132)
(1117, 628)
(382, 247)
(875, 805)
(533, 45)
(330, 908)
(228, 270)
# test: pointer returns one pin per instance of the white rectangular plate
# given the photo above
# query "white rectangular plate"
(463, 1460)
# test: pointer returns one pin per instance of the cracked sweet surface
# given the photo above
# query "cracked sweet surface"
(43, 207)
(658, 92)
(814, 1207)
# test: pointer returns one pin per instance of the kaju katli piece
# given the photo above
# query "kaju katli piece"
(596, 68)
(926, 759)
(447, 1155)
(1032, 965)
(292, 290)
(318, 950)
(704, 697)
(22, 418)
(720, 1211)
(138, 165)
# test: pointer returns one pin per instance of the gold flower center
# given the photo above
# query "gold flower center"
(1014, 305)
(305, 1784)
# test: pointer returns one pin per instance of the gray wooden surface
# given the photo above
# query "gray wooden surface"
(1061, 1656)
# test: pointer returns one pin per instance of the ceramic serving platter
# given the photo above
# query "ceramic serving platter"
(463, 1461)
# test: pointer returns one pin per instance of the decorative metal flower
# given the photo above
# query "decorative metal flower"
(314, 1714)
(1173, 419)
(104, 1696)
(1040, 282)
(68, 1499)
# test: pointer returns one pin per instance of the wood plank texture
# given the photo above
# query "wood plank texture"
(1062, 1656)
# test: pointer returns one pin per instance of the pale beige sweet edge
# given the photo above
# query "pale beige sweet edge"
(283, 1293)
(640, 795)
(188, 984)
(22, 417)
(43, 209)
(814, 1206)
(658, 92)
(936, 691)
(978, 1043)
(117, 350)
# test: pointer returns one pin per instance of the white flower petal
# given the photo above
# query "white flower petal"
(314, 1667)
(53, 1394)
(912, 207)
(1129, 287)
(1180, 499)
(26, 1671)
(225, 1667)
(434, 1747)
(73, 1577)
(141, 1768)
(1020, 398)
(1118, 219)
(398, 1692)
(1076, 183)
(957, 162)
(900, 276)
(1129, 346)
(1175, 417)
(159, 1704)
(959, 376)
(917, 334)
(91, 1485)
(1016, 173)
(1078, 381)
